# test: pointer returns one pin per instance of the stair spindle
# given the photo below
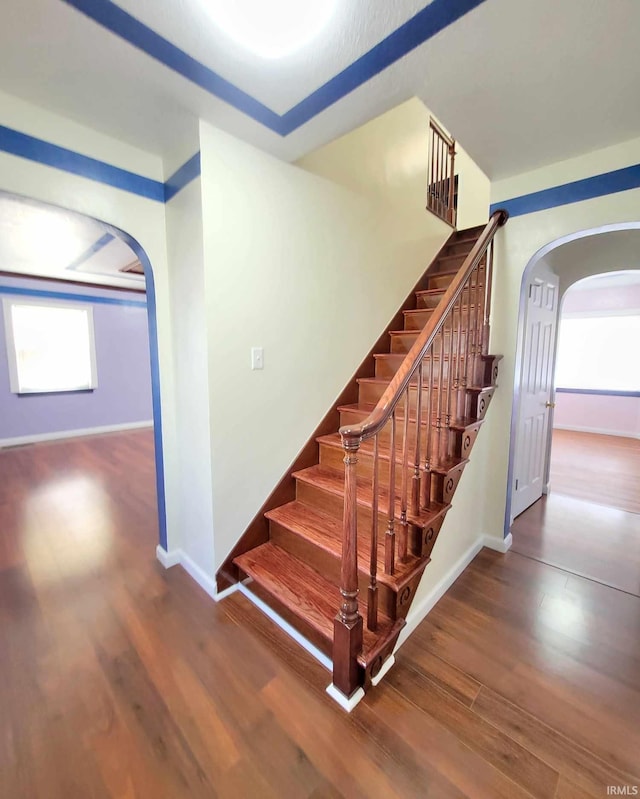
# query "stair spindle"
(372, 605)
(415, 485)
(487, 300)
(390, 538)
(439, 408)
(404, 537)
(444, 437)
(425, 487)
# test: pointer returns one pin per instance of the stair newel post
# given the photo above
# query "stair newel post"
(372, 605)
(415, 484)
(390, 537)
(404, 536)
(347, 626)
(452, 160)
(425, 486)
(487, 300)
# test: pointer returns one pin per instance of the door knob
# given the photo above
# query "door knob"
(549, 405)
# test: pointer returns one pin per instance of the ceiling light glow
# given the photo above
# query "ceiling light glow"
(271, 28)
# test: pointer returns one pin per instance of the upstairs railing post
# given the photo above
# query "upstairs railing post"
(347, 626)
(452, 161)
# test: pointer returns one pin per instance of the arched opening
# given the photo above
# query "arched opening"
(551, 282)
(58, 262)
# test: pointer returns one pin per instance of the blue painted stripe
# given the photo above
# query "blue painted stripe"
(43, 152)
(416, 31)
(600, 391)
(189, 171)
(95, 247)
(420, 28)
(64, 295)
(586, 189)
(118, 21)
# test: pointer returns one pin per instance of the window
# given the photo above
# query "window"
(50, 346)
(599, 352)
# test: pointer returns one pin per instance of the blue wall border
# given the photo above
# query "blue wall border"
(49, 294)
(579, 190)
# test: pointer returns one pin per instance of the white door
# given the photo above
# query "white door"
(532, 437)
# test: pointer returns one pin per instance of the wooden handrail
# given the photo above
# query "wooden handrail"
(400, 382)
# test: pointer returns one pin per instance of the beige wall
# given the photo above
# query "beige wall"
(386, 159)
(312, 272)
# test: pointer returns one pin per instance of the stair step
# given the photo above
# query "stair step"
(403, 340)
(332, 482)
(303, 592)
(388, 363)
(325, 532)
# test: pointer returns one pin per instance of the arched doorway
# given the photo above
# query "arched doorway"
(72, 249)
(557, 266)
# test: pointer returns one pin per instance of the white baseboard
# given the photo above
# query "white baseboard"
(346, 703)
(177, 557)
(19, 441)
(498, 544)
(601, 431)
(419, 611)
(168, 559)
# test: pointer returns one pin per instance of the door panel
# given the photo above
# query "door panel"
(535, 391)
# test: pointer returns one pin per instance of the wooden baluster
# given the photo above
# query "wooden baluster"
(425, 488)
(458, 356)
(415, 486)
(467, 348)
(432, 175)
(452, 154)
(372, 606)
(390, 538)
(439, 419)
(347, 626)
(446, 418)
(403, 540)
(437, 183)
(487, 300)
(477, 344)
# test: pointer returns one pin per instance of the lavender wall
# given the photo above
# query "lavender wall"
(123, 395)
(600, 413)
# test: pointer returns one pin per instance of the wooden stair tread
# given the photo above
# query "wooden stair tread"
(303, 591)
(325, 532)
(333, 482)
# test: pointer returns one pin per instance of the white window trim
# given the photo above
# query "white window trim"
(14, 382)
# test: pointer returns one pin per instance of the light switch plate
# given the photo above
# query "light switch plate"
(257, 358)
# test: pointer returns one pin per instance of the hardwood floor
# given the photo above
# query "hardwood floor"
(597, 468)
(118, 679)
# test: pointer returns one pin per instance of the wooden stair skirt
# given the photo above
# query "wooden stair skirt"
(296, 570)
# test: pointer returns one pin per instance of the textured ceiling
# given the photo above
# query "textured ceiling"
(520, 84)
(40, 240)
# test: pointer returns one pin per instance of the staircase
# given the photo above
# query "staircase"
(344, 558)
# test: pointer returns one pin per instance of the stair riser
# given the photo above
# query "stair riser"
(428, 301)
(355, 417)
(400, 345)
(329, 566)
(416, 320)
(387, 367)
(459, 248)
(444, 280)
(333, 458)
(371, 393)
(332, 504)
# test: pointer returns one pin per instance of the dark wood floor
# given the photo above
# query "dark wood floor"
(118, 679)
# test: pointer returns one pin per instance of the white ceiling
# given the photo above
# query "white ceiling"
(519, 84)
(40, 240)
